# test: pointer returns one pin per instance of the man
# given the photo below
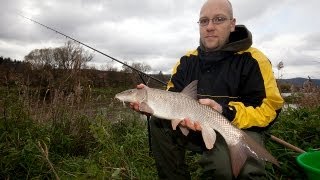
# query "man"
(234, 79)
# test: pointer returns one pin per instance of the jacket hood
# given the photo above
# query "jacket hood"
(240, 39)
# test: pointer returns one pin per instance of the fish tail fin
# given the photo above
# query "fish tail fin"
(245, 148)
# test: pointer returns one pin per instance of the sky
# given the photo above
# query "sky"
(158, 33)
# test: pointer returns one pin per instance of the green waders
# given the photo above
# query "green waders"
(169, 147)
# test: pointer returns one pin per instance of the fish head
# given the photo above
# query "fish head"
(132, 95)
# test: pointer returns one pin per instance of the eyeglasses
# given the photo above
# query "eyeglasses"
(215, 20)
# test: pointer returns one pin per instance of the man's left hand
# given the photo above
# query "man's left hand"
(195, 125)
(213, 104)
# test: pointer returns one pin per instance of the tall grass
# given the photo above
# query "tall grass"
(89, 135)
(61, 140)
(301, 128)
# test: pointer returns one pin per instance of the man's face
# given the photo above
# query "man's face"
(215, 34)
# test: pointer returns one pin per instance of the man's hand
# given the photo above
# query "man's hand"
(187, 123)
(213, 104)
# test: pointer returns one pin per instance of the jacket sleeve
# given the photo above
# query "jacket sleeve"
(260, 115)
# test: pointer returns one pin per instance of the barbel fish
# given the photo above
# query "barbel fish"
(176, 106)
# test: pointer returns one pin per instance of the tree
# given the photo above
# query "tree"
(40, 58)
(279, 67)
(139, 66)
(60, 67)
(70, 56)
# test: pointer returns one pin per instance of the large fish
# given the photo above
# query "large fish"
(177, 106)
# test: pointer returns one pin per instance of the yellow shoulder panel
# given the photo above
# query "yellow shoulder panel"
(260, 116)
(174, 70)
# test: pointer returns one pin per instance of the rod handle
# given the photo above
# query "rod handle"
(286, 144)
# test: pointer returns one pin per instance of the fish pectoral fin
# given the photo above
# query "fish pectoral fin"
(144, 107)
(175, 123)
(185, 131)
(209, 136)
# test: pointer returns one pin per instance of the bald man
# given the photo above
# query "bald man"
(233, 78)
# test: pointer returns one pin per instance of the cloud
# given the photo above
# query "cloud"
(246, 10)
(160, 32)
(295, 51)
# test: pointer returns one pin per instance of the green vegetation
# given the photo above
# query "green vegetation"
(58, 120)
(90, 135)
(299, 127)
(63, 141)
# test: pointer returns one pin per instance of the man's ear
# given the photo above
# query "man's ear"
(233, 25)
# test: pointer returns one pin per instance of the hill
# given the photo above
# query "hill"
(299, 81)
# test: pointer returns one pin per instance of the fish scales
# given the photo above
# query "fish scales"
(169, 105)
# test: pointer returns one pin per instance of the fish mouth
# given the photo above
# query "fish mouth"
(118, 96)
(120, 99)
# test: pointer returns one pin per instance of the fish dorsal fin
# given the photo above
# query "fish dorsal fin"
(191, 90)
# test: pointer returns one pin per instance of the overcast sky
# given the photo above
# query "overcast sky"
(159, 32)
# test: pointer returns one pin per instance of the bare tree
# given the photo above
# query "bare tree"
(40, 58)
(60, 67)
(139, 66)
(71, 56)
(279, 67)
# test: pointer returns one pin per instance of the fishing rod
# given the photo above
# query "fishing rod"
(140, 73)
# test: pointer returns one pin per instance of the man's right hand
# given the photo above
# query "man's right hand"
(187, 123)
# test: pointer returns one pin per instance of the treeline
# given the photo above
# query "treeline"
(66, 68)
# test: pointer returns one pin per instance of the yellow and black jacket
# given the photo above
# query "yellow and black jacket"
(238, 76)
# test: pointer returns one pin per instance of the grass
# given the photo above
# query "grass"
(301, 128)
(71, 141)
(95, 137)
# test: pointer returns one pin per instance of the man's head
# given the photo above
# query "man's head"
(216, 22)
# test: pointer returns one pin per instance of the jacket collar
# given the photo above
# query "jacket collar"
(239, 40)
